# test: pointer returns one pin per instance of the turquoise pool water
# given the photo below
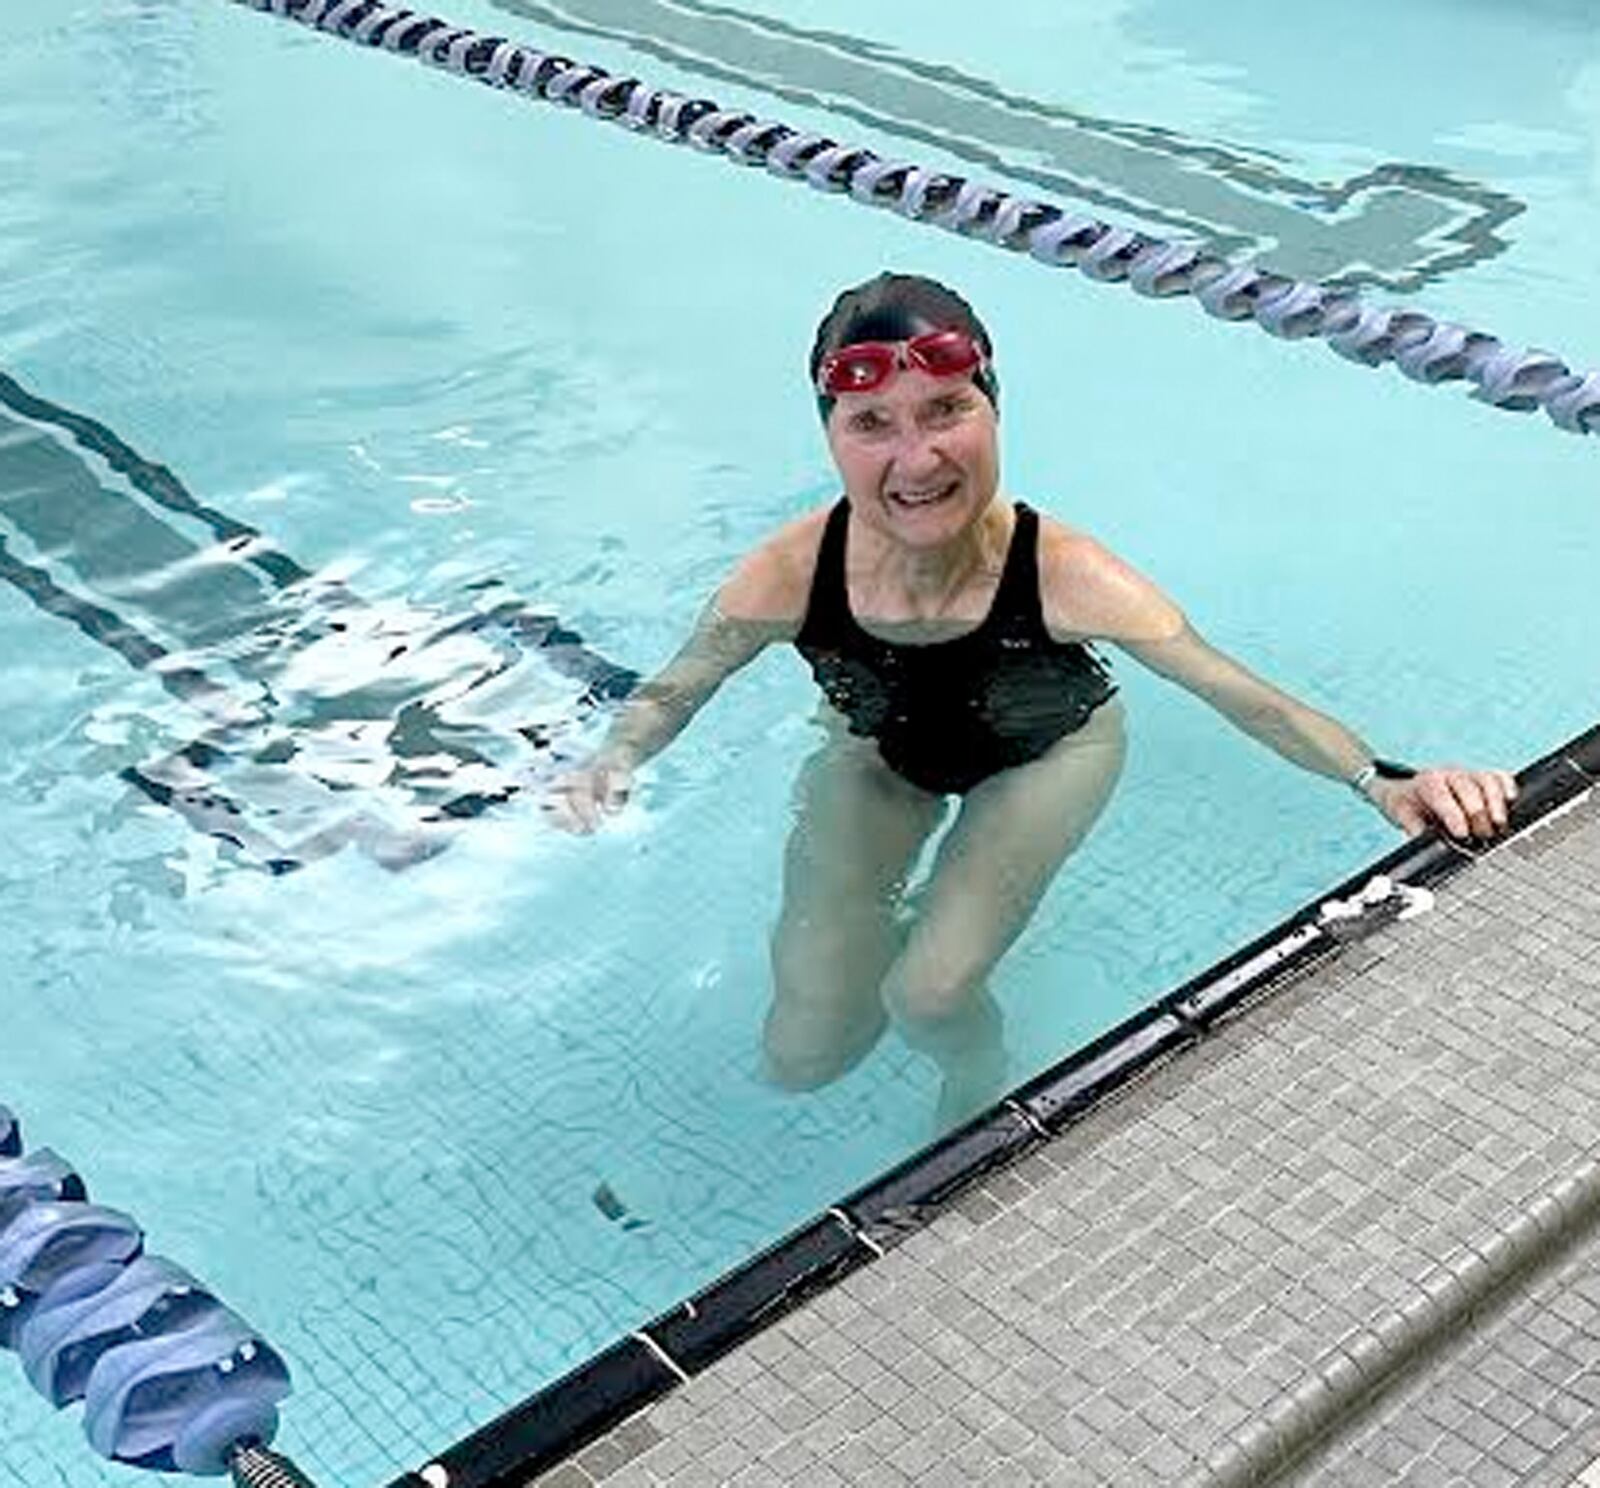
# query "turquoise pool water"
(428, 338)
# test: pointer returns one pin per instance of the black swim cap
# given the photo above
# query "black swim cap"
(896, 307)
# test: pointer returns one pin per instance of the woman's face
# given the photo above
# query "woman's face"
(919, 456)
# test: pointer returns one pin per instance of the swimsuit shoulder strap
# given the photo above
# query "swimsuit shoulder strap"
(1016, 602)
(828, 606)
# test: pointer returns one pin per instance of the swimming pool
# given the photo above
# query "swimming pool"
(442, 1133)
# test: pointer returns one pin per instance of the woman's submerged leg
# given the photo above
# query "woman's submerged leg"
(857, 833)
(1013, 833)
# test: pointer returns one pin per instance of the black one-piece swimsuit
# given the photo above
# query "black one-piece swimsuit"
(952, 713)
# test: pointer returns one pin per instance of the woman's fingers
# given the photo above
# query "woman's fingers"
(1464, 792)
(1467, 803)
(578, 802)
(1407, 813)
(1508, 788)
(617, 787)
(1436, 801)
(1493, 785)
(570, 803)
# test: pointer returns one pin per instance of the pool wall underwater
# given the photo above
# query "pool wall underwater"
(837, 1239)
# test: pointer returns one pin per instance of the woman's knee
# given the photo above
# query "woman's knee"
(809, 1047)
(934, 995)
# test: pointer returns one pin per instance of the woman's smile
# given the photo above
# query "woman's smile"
(917, 498)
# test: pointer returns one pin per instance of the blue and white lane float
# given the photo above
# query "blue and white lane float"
(169, 1378)
(1423, 348)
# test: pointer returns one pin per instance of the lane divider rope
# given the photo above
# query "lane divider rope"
(1423, 348)
(169, 1378)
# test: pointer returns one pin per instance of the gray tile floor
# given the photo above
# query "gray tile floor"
(1354, 1238)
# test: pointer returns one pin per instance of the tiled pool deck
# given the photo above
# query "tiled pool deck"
(1352, 1238)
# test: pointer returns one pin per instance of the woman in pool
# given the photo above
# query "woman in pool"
(950, 629)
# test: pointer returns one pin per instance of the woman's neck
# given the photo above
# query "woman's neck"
(931, 581)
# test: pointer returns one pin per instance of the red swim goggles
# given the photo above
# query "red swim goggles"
(867, 365)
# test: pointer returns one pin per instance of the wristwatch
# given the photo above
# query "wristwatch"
(1379, 769)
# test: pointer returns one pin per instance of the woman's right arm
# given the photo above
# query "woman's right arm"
(756, 606)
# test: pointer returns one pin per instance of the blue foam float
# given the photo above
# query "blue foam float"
(170, 1379)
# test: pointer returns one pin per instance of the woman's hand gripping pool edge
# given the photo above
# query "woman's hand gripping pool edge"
(1462, 802)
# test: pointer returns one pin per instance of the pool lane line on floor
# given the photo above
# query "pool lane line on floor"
(1423, 348)
(154, 481)
(56, 497)
(1396, 226)
(582, 1405)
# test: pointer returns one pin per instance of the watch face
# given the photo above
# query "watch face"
(1392, 770)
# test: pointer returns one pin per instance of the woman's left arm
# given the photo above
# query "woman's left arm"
(1462, 801)
(1099, 595)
